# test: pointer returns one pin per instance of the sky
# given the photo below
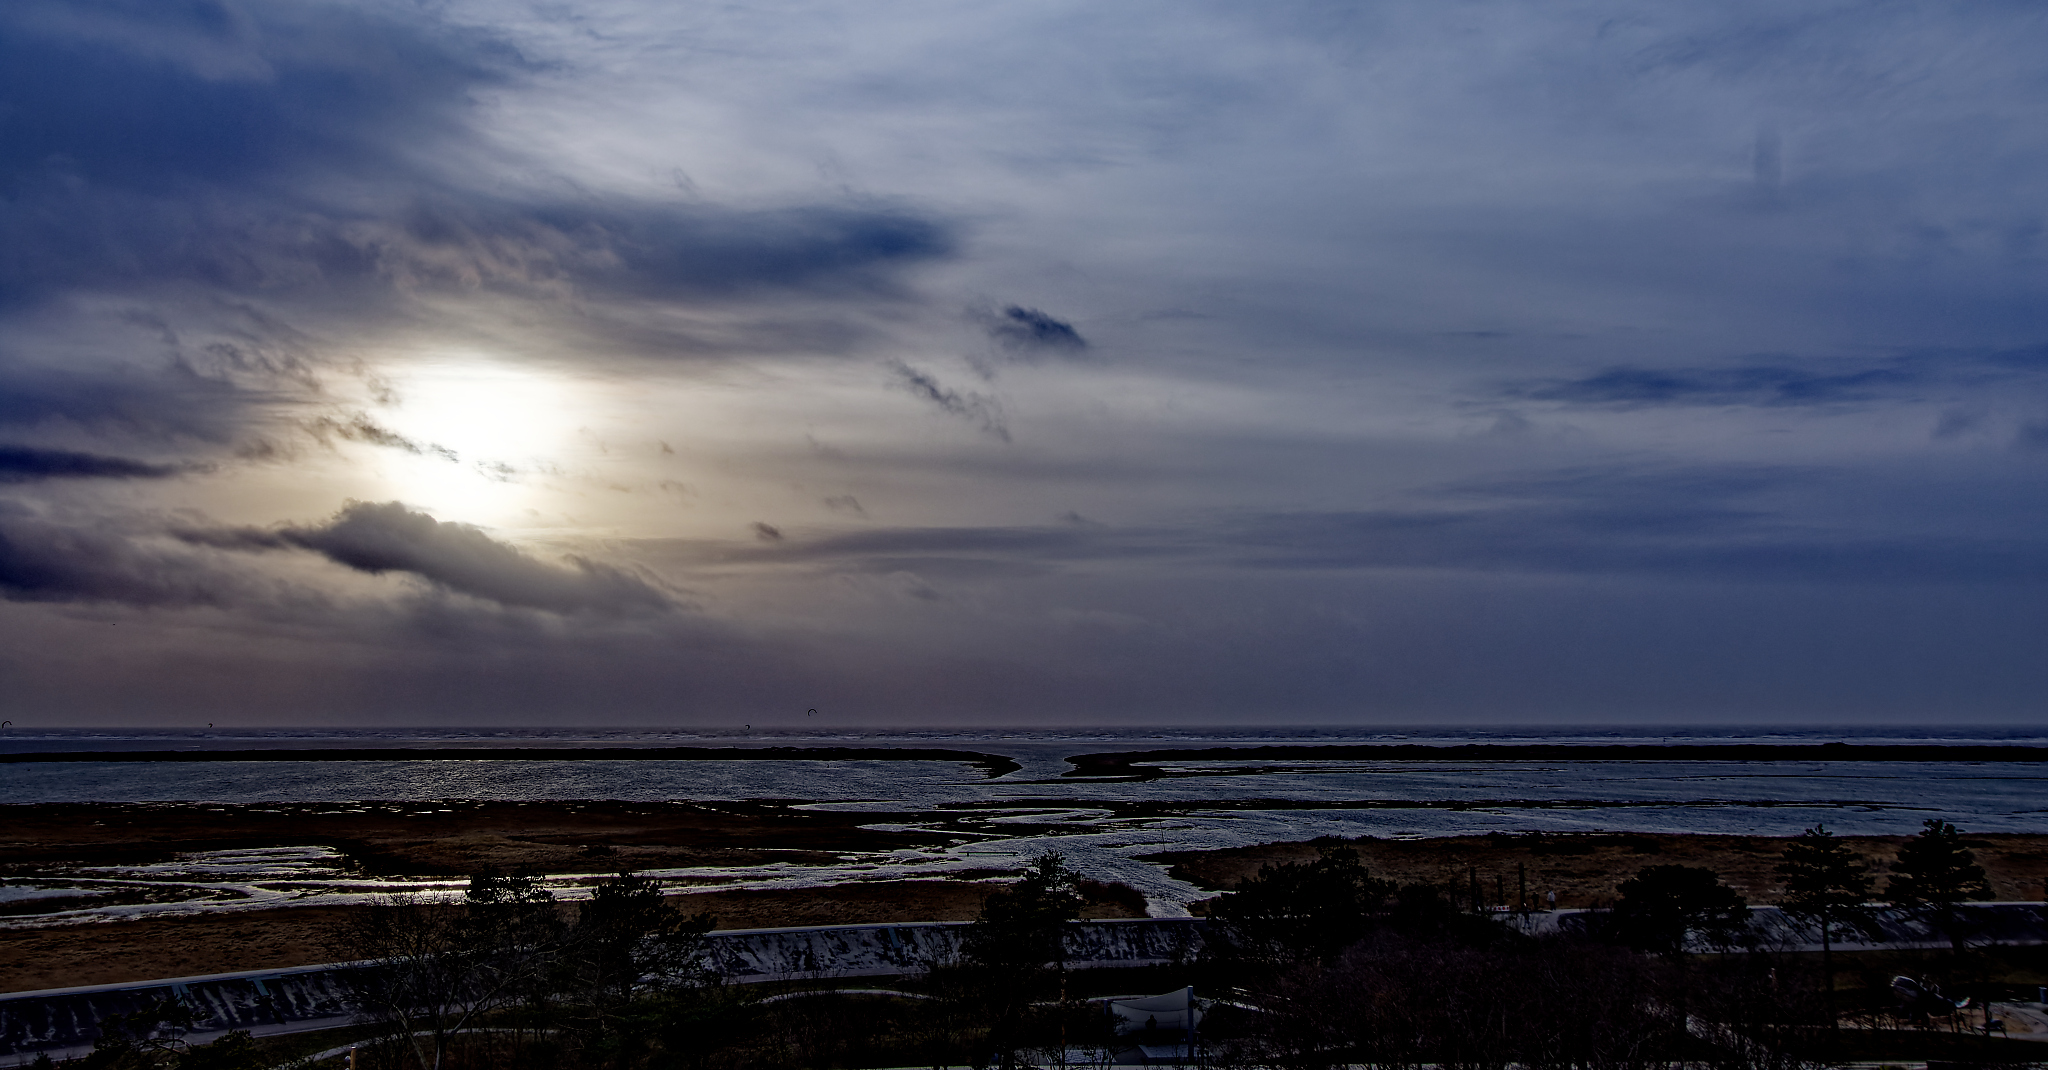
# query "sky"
(661, 363)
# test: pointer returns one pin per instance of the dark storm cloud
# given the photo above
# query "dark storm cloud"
(1029, 331)
(170, 401)
(982, 411)
(316, 151)
(25, 464)
(388, 537)
(44, 561)
(143, 94)
(148, 142)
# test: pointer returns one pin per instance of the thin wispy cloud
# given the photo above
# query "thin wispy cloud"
(981, 410)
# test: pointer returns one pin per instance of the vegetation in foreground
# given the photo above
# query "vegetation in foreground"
(1309, 964)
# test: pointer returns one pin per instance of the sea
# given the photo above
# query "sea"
(1106, 828)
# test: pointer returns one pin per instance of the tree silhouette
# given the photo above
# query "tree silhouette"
(1020, 930)
(1661, 904)
(417, 975)
(1021, 927)
(1301, 909)
(628, 942)
(1827, 884)
(1933, 874)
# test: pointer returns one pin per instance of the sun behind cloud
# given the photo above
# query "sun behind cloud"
(483, 437)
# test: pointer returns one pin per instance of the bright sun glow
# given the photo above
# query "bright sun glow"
(508, 429)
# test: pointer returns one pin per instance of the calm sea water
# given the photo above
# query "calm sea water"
(1102, 827)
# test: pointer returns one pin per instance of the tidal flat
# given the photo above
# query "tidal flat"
(136, 859)
(101, 893)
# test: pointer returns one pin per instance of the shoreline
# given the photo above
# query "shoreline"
(448, 838)
(991, 765)
(1130, 763)
(1584, 867)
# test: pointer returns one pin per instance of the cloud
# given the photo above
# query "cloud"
(100, 561)
(388, 537)
(152, 141)
(1956, 422)
(955, 553)
(25, 464)
(1709, 232)
(980, 410)
(172, 401)
(326, 156)
(1789, 384)
(1032, 543)
(1031, 332)
(358, 427)
(1743, 523)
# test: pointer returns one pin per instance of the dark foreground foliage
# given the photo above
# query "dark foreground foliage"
(1308, 965)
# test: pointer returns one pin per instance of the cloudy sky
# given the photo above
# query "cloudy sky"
(634, 362)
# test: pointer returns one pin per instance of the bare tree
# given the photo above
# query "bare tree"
(429, 970)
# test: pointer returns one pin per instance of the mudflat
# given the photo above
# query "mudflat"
(453, 839)
(449, 838)
(444, 839)
(1587, 869)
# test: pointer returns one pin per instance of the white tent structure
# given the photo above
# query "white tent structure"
(1176, 1012)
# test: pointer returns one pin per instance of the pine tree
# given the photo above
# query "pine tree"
(1935, 872)
(1298, 910)
(1660, 905)
(1827, 884)
(1020, 930)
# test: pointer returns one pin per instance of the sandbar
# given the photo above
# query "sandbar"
(1145, 763)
